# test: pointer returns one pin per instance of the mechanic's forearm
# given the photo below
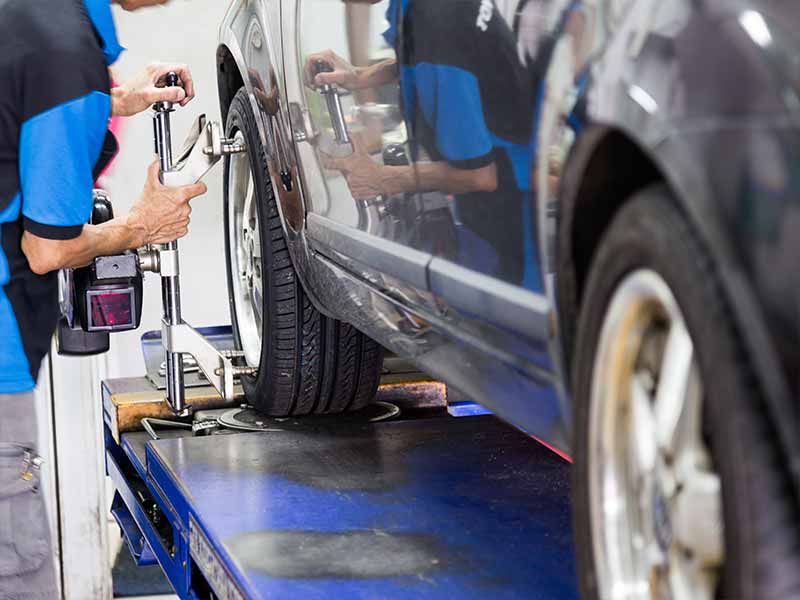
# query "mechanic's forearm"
(111, 237)
(118, 102)
(378, 74)
(438, 176)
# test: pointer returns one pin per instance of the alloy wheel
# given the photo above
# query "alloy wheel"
(244, 233)
(655, 498)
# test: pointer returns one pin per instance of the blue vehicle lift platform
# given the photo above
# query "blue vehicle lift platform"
(423, 506)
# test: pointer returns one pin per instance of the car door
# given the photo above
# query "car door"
(342, 137)
(474, 75)
(470, 100)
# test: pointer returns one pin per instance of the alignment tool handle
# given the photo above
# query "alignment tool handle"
(340, 133)
(170, 284)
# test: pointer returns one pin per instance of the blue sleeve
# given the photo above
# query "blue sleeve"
(58, 150)
(450, 100)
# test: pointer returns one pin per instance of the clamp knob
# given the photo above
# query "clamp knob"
(320, 66)
(170, 80)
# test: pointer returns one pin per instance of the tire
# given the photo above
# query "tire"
(759, 511)
(307, 363)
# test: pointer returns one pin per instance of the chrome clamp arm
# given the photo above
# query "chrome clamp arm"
(203, 148)
(218, 368)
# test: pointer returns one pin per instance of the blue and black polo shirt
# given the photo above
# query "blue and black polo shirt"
(469, 101)
(54, 108)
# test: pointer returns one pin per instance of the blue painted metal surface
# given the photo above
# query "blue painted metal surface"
(466, 408)
(427, 508)
(137, 543)
(165, 533)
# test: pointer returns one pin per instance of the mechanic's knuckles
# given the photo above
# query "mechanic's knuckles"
(178, 94)
(166, 94)
(326, 78)
(198, 189)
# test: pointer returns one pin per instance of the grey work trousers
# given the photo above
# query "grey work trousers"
(27, 570)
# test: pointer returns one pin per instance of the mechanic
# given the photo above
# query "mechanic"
(55, 104)
(469, 104)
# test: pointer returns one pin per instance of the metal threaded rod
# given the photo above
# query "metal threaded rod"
(170, 285)
(238, 371)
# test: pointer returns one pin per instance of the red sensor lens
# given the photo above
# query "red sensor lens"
(112, 310)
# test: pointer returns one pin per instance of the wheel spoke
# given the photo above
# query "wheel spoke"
(674, 381)
(256, 297)
(697, 517)
(250, 219)
(643, 429)
(256, 240)
(249, 204)
(241, 262)
(680, 577)
(688, 579)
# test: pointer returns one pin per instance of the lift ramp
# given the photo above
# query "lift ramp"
(428, 506)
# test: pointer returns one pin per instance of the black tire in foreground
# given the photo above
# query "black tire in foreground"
(761, 532)
(309, 363)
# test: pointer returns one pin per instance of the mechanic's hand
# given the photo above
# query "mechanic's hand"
(161, 214)
(344, 74)
(149, 87)
(364, 176)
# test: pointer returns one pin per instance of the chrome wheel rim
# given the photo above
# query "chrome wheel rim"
(655, 498)
(244, 235)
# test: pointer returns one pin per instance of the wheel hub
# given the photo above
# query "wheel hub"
(661, 521)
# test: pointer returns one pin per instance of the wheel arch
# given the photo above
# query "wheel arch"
(232, 75)
(229, 79)
(605, 168)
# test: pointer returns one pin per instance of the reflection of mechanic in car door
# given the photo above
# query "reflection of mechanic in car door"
(467, 100)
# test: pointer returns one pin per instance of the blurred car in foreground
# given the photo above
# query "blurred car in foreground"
(582, 214)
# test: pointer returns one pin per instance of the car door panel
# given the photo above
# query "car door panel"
(363, 252)
(470, 103)
(375, 235)
(509, 307)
